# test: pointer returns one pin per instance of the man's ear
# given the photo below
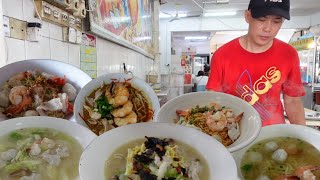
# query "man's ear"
(247, 15)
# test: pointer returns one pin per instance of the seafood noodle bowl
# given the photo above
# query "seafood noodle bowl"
(154, 158)
(281, 158)
(215, 120)
(35, 93)
(115, 104)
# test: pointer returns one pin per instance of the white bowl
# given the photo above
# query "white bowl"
(250, 124)
(92, 161)
(108, 78)
(75, 76)
(83, 135)
(304, 133)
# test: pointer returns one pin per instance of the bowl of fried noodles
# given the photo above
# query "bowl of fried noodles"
(114, 100)
(39, 88)
(226, 118)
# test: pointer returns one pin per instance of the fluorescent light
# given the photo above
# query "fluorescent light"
(163, 15)
(220, 14)
(196, 37)
(182, 15)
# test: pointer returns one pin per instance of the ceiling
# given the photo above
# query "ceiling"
(197, 7)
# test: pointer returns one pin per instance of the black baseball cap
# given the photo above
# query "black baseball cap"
(261, 8)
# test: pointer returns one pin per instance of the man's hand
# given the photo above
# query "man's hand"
(294, 109)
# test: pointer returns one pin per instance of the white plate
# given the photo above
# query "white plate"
(107, 79)
(75, 76)
(305, 133)
(221, 164)
(250, 124)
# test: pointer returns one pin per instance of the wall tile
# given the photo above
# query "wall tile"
(55, 32)
(29, 13)
(13, 8)
(59, 50)
(74, 55)
(15, 50)
(38, 50)
(45, 30)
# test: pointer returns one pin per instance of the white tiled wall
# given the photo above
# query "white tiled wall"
(110, 56)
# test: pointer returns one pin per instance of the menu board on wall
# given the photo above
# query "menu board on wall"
(88, 55)
(126, 22)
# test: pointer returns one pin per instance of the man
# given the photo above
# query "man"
(258, 68)
(200, 81)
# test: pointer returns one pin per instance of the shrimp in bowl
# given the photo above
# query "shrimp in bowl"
(215, 120)
(114, 103)
(35, 93)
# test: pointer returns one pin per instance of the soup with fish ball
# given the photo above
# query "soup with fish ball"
(156, 159)
(281, 157)
(39, 153)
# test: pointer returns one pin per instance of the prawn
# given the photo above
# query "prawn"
(123, 111)
(121, 95)
(20, 99)
(129, 119)
(216, 122)
(303, 173)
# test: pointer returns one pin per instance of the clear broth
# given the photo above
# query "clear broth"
(68, 167)
(308, 155)
(117, 162)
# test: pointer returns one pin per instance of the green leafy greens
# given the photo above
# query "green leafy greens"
(104, 108)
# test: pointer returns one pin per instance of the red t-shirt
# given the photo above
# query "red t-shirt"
(258, 78)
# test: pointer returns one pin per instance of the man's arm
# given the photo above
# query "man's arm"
(294, 109)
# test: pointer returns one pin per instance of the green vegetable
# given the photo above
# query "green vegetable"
(104, 108)
(16, 136)
(30, 164)
(198, 109)
(171, 173)
(39, 132)
(247, 167)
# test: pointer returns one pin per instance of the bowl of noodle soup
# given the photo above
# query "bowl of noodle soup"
(123, 153)
(284, 150)
(45, 87)
(114, 100)
(41, 148)
(233, 122)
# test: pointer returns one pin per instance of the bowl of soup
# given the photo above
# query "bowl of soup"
(115, 100)
(156, 151)
(41, 148)
(281, 151)
(40, 88)
(227, 118)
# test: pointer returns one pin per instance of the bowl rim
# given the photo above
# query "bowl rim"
(238, 147)
(44, 59)
(94, 84)
(111, 134)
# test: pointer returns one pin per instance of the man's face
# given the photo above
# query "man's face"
(264, 29)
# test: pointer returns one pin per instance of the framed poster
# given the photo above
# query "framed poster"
(126, 22)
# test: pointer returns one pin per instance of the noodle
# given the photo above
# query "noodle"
(199, 120)
(140, 106)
